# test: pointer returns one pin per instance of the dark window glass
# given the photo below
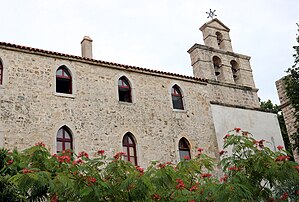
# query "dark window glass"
(1, 73)
(235, 70)
(124, 90)
(63, 81)
(64, 139)
(184, 149)
(129, 148)
(177, 98)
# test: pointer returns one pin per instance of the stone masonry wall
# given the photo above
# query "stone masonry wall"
(288, 111)
(31, 111)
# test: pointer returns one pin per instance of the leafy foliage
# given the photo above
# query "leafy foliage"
(250, 172)
(274, 108)
(292, 89)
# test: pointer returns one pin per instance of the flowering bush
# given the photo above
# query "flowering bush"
(252, 172)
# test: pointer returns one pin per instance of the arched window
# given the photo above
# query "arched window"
(177, 98)
(217, 67)
(64, 139)
(235, 70)
(63, 80)
(1, 73)
(219, 39)
(184, 149)
(129, 148)
(124, 90)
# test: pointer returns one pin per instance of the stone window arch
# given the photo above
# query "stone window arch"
(129, 148)
(217, 67)
(124, 90)
(64, 82)
(1, 72)
(235, 70)
(219, 37)
(184, 149)
(177, 97)
(64, 139)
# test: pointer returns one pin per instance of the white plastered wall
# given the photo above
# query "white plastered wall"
(262, 125)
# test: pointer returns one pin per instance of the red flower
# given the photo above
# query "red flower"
(118, 155)
(186, 157)
(282, 158)
(141, 170)
(40, 144)
(237, 129)
(224, 178)
(193, 188)
(62, 159)
(284, 196)
(161, 165)
(83, 153)
(101, 152)
(77, 161)
(192, 201)
(200, 149)
(261, 143)
(156, 197)
(9, 162)
(221, 152)
(245, 133)
(279, 147)
(54, 198)
(25, 171)
(270, 199)
(91, 180)
(226, 136)
(234, 168)
(297, 168)
(180, 184)
(205, 175)
(297, 192)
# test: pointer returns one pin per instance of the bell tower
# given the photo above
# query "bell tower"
(216, 61)
(216, 35)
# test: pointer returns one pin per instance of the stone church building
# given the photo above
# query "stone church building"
(86, 104)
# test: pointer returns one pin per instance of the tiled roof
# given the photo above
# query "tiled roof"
(100, 61)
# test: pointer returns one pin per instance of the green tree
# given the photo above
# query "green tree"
(252, 172)
(292, 90)
(274, 108)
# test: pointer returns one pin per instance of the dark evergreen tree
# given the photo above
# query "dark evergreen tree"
(292, 89)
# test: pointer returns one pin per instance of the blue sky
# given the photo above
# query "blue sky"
(156, 34)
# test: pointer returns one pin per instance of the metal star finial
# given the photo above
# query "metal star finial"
(211, 14)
